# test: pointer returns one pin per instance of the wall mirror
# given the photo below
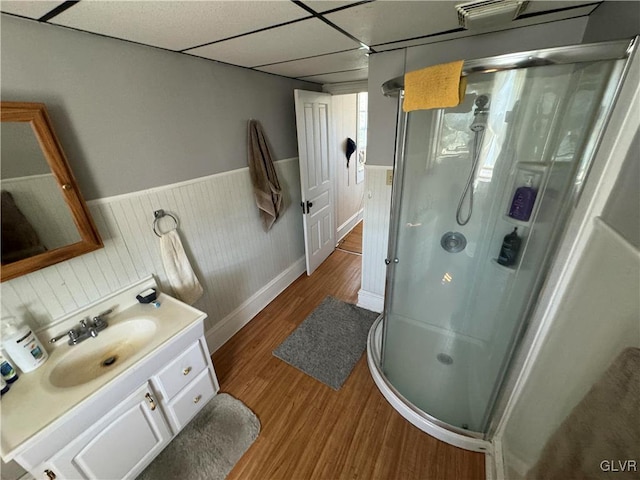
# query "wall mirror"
(45, 220)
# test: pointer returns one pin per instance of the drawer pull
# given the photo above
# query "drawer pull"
(50, 475)
(151, 401)
(186, 371)
(197, 399)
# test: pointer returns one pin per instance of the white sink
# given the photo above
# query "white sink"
(112, 348)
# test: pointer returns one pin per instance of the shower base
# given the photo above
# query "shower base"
(428, 424)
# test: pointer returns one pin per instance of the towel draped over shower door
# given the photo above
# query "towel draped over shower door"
(266, 187)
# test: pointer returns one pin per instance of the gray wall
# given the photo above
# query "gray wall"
(131, 117)
(387, 65)
(623, 207)
(613, 20)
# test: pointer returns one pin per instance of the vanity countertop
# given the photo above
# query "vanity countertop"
(33, 404)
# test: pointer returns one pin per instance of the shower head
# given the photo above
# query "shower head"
(482, 103)
(481, 113)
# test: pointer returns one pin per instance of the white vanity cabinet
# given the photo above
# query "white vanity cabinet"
(123, 440)
(118, 446)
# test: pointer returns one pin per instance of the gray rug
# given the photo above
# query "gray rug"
(329, 342)
(210, 445)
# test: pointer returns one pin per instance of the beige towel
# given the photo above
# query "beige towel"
(266, 187)
(440, 86)
(600, 439)
(184, 282)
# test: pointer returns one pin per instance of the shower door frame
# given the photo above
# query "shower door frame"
(477, 441)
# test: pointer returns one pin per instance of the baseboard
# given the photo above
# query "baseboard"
(346, 227)
(220, 333)
(370, 301)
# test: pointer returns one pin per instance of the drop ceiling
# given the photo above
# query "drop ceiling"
(317, 41)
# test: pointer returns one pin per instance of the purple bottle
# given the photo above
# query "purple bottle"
(523, 201)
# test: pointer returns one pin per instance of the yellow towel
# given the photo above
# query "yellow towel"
(439, 86)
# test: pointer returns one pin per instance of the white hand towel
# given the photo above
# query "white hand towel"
(184, 282)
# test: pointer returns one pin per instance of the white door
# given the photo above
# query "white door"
(314, 147)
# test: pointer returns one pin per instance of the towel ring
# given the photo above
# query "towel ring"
(158, 214)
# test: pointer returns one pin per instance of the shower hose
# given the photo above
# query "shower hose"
(468, 189)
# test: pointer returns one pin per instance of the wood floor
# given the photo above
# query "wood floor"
(352, 242)
(310, 431)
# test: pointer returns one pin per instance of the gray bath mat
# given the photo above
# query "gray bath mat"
(209, 447)
(329, 342)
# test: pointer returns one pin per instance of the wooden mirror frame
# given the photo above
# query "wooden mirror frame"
(36, 115)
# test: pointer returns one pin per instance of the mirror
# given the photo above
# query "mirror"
(45, 220)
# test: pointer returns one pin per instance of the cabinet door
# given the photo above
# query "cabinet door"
(120, 445)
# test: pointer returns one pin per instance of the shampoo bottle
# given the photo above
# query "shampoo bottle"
(523, 201)
(510, 248)
(22, 346)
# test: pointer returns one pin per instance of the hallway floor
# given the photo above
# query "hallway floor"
(352, 242)
(310, 431)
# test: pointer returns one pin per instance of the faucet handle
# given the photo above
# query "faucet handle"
(73, 336)
(99, 321)
(83, 322)
(59, 336)
(103, 314)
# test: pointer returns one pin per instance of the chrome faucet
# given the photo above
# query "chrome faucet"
(85, 329)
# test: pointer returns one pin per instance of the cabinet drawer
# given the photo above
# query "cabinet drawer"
(175, 376)
(188, 402)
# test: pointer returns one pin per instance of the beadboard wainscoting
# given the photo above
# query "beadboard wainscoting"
(241, 267)
(375, 237)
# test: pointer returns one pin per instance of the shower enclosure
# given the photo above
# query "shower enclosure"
(458, 293)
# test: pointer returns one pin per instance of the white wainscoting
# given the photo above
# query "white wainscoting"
(377, 204)
(239, 265)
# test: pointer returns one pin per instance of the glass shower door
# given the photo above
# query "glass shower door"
(452, 312)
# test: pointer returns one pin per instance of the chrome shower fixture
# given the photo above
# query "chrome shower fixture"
(480, 114)
(478, 126)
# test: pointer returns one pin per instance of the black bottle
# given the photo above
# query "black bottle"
(510, 248)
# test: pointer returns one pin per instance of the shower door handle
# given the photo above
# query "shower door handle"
(387, 261)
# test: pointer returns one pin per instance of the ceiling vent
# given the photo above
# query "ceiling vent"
(488, 13)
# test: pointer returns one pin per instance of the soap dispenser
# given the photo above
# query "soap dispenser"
(523, 201)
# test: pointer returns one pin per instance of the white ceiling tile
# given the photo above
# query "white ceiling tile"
(545, 6)
(290, 42)
(177, 25)
(382, 22)
(29, 9)
(340, 77)
(324, 5)
(335, 62)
